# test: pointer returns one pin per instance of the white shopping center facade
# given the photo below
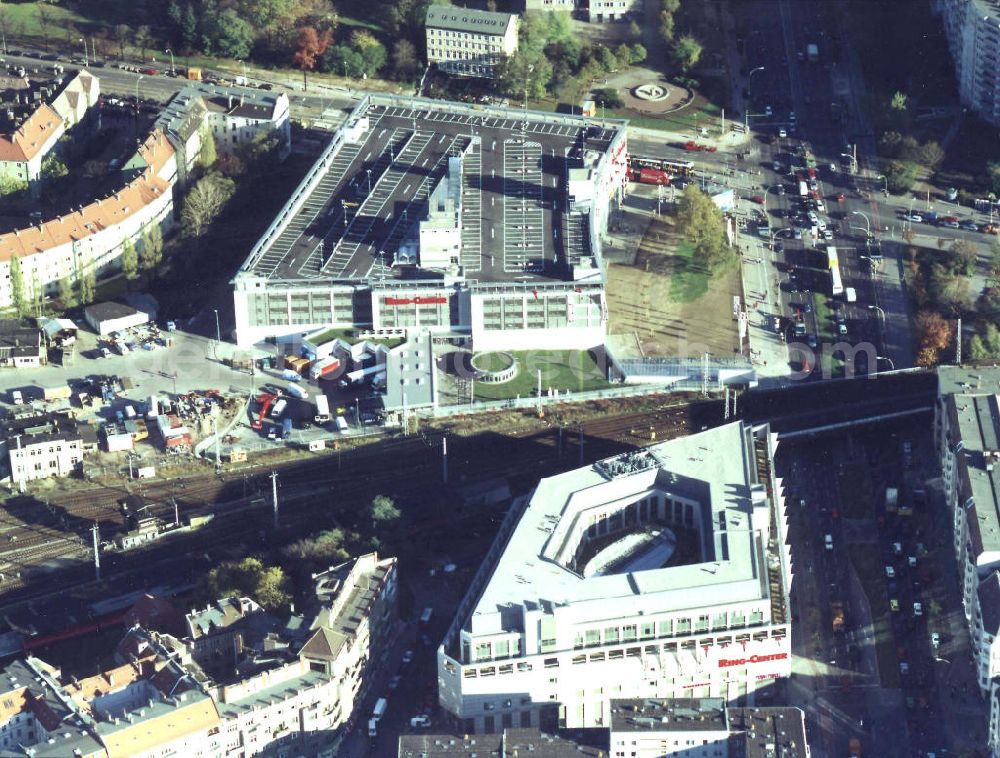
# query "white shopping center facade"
(535, 643)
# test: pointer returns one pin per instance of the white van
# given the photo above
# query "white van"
(16, 398)
(341, 424)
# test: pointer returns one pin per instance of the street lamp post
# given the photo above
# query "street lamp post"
(218, 333)
(86, 58)
(868, 223)
(369, 172)
(173, 71)
(746, 110)
(877, 309)
(244, 64)
(885, 188)
(138, 79)
(892, 366)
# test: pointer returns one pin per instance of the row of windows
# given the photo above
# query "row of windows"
(670, 648)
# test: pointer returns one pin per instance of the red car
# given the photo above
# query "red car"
(759, 199)
(150, 71)
(841, 198)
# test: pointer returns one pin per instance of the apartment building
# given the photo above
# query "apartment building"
(92, 237)
(23, 150)
(283, 688)
(21, 346)
(232, 115)
(41, 446)
(967, 437)
(660, 573)
(77, 93)
(972, 28)
(704, 728)
(602, 11)
(468, 42)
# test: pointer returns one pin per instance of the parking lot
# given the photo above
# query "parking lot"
(870, 541)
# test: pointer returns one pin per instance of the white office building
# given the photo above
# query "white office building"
(469, 42)
(660, 573)
(972, 28)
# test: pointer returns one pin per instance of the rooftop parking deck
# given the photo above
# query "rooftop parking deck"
(365, 198)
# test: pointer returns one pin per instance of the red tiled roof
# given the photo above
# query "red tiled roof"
(31, 136)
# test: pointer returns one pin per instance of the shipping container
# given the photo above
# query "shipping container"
(323, 367)
(57, 392)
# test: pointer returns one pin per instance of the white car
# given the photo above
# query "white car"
(813, 218)
(782, 133)
(833, 168)
(394, 682)
(890, 572)
(827, 235)
(918, 609)
(897, 548)
(408, 656)
(420, 722)
(821, 225)
(828, 540)
(935, 640)
(820, 206)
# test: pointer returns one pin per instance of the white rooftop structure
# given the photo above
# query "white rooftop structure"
(709, 493)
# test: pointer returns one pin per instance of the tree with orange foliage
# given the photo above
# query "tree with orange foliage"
(309, 46)
(934, 334)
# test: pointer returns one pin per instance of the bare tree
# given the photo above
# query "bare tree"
(44, 20)
(204, 202)
(142, 37)
(122, 34)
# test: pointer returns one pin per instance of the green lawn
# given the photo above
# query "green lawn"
(23, 21)
(689, 278)
(350, 336)
(491, 361)
(573, 370)
(868, 563)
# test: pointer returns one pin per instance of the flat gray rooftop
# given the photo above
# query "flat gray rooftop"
(710, 468)
(374, 191)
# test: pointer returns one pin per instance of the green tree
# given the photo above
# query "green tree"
(607, 59)
(985, 346)
(687, 52)
(993, 175)
(898, 102)
(373, 55)
(11, 185)
(634, 30)
(188, 29)
(67, 293)
(230, 34)
(639, 54)
(130, 261)
(87, 286)
(209, 154)
(250, 577)
(608, 97)
(152, 248)
(17, 295)
(317, 552)
(343, 60)
(53, 168)
(700, 222)
(900, 175)
(666, 28)
(263, 13)
(383, 512)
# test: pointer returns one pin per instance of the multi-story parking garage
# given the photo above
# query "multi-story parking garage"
(659, 573)
(467, 221)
